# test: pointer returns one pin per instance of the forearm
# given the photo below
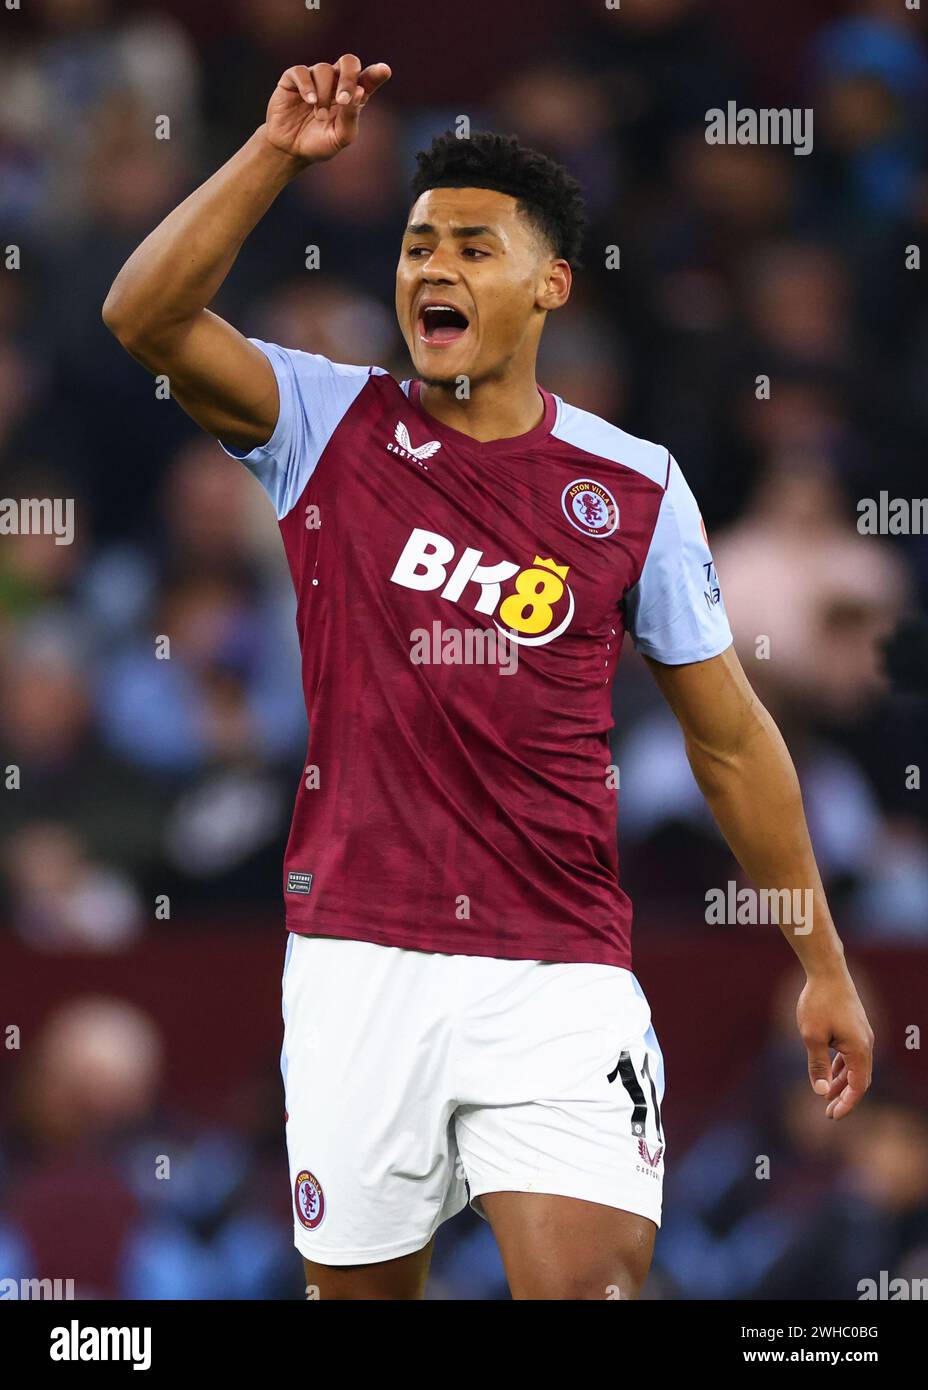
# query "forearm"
(753, 793)
(746, 774)
(177, 270)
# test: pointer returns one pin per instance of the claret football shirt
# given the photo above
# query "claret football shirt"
(460, 609)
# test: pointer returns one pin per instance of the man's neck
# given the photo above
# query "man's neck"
(495, 409)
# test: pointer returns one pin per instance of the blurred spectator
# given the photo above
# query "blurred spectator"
(874, 1220)
(810, 602)
(61, 900)
(748, 1189)
(110, 1192)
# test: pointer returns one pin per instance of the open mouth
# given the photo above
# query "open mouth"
(441, 323)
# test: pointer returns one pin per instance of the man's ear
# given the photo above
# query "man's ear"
(555, 290)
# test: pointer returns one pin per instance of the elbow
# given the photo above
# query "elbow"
(144, 333)
(126, 318)
(132, 328)
(117, 318)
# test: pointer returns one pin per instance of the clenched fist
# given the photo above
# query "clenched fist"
(314, 111)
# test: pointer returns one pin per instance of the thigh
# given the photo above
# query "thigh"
(561, 1136)
(370, 1136)
(564, 1248)
(396, 1280)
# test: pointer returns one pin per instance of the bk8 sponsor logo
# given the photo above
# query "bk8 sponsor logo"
(538, 609)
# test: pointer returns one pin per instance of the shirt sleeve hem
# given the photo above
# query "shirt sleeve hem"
(683, 658)
(267, 450)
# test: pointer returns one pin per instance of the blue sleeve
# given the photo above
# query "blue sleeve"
(315, 394)
(675, 613)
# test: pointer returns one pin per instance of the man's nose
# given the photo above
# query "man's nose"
(439, 267)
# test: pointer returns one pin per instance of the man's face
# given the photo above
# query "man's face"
(472, 285)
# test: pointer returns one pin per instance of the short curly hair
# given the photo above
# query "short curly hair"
(547, 194)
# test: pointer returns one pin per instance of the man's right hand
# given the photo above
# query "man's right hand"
(314, 111)
(157, 306)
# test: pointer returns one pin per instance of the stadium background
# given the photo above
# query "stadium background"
(144, 1036)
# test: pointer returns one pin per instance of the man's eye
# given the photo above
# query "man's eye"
(475, 252)
(416, 250)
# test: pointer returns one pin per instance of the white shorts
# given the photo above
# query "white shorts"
(415, 1081)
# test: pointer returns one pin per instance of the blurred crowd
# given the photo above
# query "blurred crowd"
(104, 1182)
(128, 777)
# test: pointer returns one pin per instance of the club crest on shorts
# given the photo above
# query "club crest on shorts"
(654, 1159)
(590, 507)
(309, 1199)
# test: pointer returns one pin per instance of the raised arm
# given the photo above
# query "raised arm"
(745, 772)
(157, 306)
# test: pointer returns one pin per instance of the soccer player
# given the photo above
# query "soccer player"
(461, 1020)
